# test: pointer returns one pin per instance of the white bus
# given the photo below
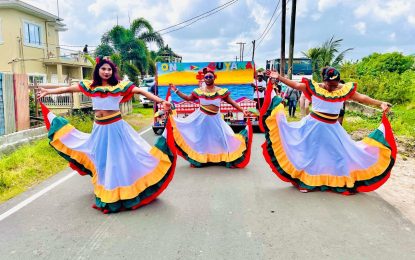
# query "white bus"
(302, 67)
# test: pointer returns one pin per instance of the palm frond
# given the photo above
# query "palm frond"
(139, 24)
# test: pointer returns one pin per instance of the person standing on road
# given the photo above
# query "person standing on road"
(126, 171)
(259, 85)
(204, 138)
(292, 96)
(316, 153)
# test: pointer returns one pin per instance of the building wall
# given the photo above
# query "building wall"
(14, 46)
(9, 30)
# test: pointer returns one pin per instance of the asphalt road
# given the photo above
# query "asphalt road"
(209, 213)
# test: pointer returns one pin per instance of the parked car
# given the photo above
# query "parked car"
(148, 85)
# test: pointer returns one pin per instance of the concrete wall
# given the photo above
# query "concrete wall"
(9, 143)
(366, 110)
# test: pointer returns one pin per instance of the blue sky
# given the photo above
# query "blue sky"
(366, 26)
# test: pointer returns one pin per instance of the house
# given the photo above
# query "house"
(29, 44)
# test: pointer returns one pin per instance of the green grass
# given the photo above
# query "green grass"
(33, 163)
(27, 166)
(402, 121)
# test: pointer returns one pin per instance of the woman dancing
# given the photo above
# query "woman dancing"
(126, 171)
(204, 138)
(316, 153)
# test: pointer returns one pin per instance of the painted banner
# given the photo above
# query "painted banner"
(186, 73)
(236, 76)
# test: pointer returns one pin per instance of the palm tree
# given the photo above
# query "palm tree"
(314, 55)
(326, 55)
(127, 47)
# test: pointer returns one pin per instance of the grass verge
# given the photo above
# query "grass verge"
(33, 163)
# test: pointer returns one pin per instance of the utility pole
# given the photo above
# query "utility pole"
(292, 37)
(282, 58)
(57, 6)
(241, 48)
(253, 50)
(236, 58)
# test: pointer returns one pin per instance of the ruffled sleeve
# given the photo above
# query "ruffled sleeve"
(123, 88)
(196, 93)
(313, 88)
(224, 92)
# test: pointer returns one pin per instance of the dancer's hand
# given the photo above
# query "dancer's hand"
(173, 87)
(272, 74)
(246, 113)
(385, 106)
(166, 106)
(41, 92)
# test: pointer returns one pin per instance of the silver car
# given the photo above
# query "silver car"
(147, 84)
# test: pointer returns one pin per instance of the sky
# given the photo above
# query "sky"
(366, 26)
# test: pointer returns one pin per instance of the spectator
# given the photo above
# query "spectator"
(292, 96)
(260, 92)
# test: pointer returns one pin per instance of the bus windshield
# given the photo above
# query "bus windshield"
(301, 66)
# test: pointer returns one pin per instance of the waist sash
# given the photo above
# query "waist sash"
(106, 120)
(324, 118)
(208, 111)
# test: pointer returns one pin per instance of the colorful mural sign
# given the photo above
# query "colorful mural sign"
(188, 73)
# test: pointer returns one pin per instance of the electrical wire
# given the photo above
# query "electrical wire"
(188, 20)
(202, 17)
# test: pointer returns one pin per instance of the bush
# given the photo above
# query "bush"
(388, 77)
(376, 64)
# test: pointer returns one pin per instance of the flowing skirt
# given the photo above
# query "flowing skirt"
(126, 171)
(204, 140)
(315, 155)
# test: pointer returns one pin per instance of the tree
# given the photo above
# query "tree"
(127, 47)
(327, 54)
(314, 55)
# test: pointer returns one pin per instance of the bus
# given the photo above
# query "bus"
(302, 67)
(236, 76)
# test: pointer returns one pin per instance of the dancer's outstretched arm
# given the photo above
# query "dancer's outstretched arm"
(47, 91)
(180, 94)
(232, 102)
(152, 97)
(294, 84)
(385, 106)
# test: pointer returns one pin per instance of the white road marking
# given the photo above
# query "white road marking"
(45, 190)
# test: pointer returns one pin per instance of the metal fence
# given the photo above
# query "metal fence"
(8, 104)
(2, 122)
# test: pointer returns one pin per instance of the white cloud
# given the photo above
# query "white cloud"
(316, 16)
(361, 27)
(386, 11)
(411, 19)
(323, 5)
(367, 26)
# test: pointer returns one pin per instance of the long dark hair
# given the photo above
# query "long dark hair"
(113, 80)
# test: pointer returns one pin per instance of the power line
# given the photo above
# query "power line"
(205, 16)
(188, 20)
(270, 19)
(195, 18)
(270, 27)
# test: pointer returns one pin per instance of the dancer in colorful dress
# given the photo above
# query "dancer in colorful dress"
(126, 171)
(316, 153)
(204, 138)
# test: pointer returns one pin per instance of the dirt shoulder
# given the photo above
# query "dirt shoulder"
(399, 190)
